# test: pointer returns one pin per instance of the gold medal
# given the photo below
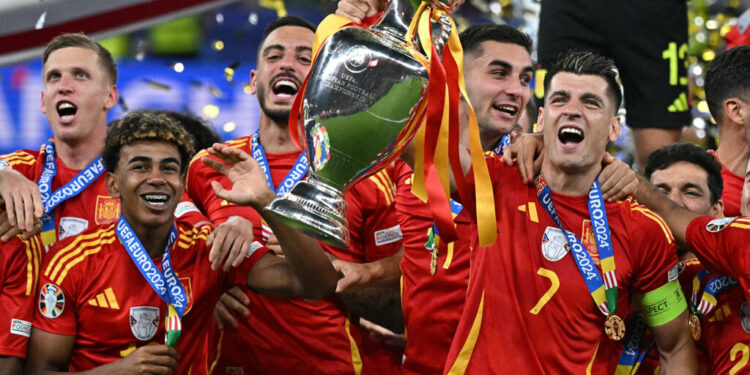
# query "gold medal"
(694, 324)
(434, 261)
(614, 327)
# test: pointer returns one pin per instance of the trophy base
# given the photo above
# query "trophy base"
(314, 208)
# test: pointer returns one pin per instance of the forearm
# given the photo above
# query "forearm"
(11, 365)
(677, 218)
(380, 305)
(676, 348)
(306, 258)
(385, 272)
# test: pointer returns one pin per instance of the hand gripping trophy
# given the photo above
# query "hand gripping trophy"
(365, 98)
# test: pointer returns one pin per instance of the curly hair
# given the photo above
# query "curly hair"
(145, 126)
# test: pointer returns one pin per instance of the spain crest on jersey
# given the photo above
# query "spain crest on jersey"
(107, 209)
(716, 225)
(51, 301)
(588, 239)
(144, 322)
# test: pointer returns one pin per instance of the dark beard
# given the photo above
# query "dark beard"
(280, 116)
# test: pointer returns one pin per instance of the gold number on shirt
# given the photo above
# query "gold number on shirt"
(552, 276)
(737, 349)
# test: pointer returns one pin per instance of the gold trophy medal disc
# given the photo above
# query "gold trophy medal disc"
(614, 327)
(694, 324)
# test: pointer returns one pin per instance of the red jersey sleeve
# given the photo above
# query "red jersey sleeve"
(652, 248)
(19, 274)
(187, 212)
(721, 244)
(23, 161)
(56, 301)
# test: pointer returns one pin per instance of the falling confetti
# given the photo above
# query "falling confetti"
(253, 18)
(210, 111)
(229, 127)
(157, 85)
(40, 21)
(229, 71)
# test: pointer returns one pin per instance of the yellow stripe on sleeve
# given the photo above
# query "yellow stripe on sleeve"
(95, 249)
(53, 265)
(651, 215)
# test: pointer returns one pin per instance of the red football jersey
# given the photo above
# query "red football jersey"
(93, 206)
(732, 193)
(721, 244)
(528, 308)
(19, 275)
(89, 282)
(294, 335)
(423, 292)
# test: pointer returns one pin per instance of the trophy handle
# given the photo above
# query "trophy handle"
(395, 19)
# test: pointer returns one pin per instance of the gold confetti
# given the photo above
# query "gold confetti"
(211, 111)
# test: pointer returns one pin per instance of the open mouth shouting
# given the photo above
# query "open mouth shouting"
(570, 135)
(67, 111)
(285, 87)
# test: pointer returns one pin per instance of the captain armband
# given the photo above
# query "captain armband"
(662, 305)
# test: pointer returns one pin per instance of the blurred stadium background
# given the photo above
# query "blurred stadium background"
(196, 55)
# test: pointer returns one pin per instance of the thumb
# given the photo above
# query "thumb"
(608, 159)
(219, 190)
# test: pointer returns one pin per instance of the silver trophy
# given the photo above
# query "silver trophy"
(361, 107)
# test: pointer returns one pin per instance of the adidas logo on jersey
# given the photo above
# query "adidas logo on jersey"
(106, 300)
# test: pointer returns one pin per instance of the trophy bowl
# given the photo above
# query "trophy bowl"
(360, 108)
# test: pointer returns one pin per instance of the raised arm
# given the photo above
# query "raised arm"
(677, 218)
(307, 267)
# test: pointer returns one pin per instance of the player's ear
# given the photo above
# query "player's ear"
(540, 120)
(614, 129)
(110, 180)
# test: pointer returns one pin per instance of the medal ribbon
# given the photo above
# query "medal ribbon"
(504, 141)
(714, 286)
(295, 174)
(632, 356)
(75, 186)
(603, 291)
(165, 283)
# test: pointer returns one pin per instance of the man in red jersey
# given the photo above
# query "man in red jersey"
(691, 178)
(104, 304)
(535, 308)
(79, 89)
(727, 91)
(282, 335)
(498, 70)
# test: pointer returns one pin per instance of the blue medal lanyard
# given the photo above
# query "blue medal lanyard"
(298, 171)
(165, 282)
(603, 291)
(75, 186)
(716, 284)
